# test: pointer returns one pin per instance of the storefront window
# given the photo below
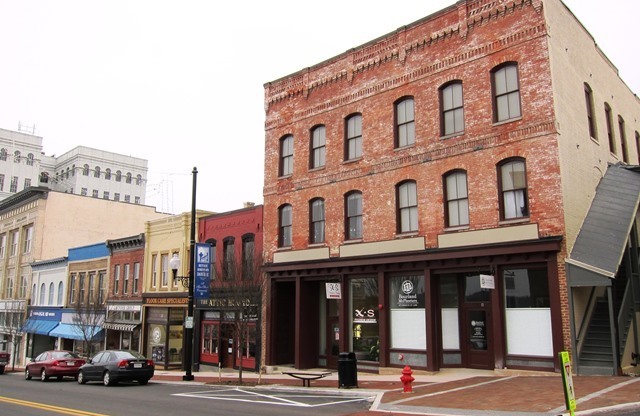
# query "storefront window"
(527, 312)
(157, 338)
(249, 344)
(210, 338)
(363, 304)
(449, 304)
(408, 319)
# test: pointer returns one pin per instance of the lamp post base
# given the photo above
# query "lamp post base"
(188, 377)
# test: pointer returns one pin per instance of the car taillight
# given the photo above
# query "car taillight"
(123, 364)
(150, 363)
(55, 363)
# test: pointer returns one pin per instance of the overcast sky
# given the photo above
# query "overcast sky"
(180, 83)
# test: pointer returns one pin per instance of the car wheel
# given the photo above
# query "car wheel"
(80, 378)
(43, 375)
(27, 374)
(143, 381)
(106, 379)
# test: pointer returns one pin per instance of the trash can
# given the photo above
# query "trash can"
(347, 370)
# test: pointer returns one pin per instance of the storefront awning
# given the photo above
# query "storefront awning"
(119, 326)
(600, 244)
(78, 332)
(38, 326)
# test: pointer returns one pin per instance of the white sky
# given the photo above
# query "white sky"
(180, 82)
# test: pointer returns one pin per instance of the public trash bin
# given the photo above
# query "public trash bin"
(347, 370)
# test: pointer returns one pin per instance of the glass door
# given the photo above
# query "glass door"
(476, 343)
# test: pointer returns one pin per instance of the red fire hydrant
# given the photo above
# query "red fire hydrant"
(407, 379)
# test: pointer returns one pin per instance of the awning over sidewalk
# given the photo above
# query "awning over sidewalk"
(39, 326)
(78, 332)
(599, 247)
(119, 326)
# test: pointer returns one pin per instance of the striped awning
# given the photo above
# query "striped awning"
(118, 326)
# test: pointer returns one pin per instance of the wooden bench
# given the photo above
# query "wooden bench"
(306, 377)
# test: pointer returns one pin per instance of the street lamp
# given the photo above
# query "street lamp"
(188, 282)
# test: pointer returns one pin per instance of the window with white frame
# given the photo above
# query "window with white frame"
(318, 147)
(125, 279)
(164, 262)
(15, 235)
(506, 92)
(285, 217)
(456, 199)
(405, 122)
(353, 137)
(286, 155)
(513, 189)
(28, 238)
(154, 270)
(407, 200)
(136, 277)
(116, 279)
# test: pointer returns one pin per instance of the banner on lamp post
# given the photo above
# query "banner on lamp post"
(203, 271)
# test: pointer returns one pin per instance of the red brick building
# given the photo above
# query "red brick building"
(228, 320)
(124, 293)
(423, 190)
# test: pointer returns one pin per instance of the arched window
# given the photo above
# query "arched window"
(456, 199)
(286, 156)
(249, 263)
(107, 174)
(512, 180)
(353, 137)
(506, 92)
(16, 156)
(591, 113)
(353, 215)
(405, 131)
(51, 293)
(139, 180)
(42, 294)
(316, 221)
(60, 293)
(96, 172)
(285, 217)
(30, 159)
(128, 177)
(451, 109)
(118, 176)
(3, 154)
(407, 206)
(229, 265)
(318, 147)
(85, 170)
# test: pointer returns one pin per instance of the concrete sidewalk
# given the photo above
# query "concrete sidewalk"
(458, 392)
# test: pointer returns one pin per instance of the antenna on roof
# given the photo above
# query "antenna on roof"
(25, 128)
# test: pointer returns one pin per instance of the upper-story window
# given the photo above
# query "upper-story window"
(285, 219)
(353, 215)
(85, 170)
(92, 288)
(72, 289)
(15, 235)
(407, 206)
(506, 92)
(456, 198)
(96, 172)
(229, 265)
(608, 116)
(125, 279)
(136, 277)
(248, 257)
(637, 147)
(451, 109)
(28, 238)
(3, 245)
(214, 267)
(3, 154)
(154, 270)
(13, 186)
(139, 179)
(512, 180)
(30, 159)
(316, 221)
(52, 289)
(101, 287)
(118, 176)
(623, 140)
(107, 174)
(116, 279)
(318, 147)
(353, 137)
(16, 156)
(128, 178)
(164, 269)
(286, 156)
(405, 131)
(42, 294)
(591, 114)
(60, 294)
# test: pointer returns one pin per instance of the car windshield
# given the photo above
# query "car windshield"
(64, 354)
(124, 355)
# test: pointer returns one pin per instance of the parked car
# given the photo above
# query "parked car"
(111, 366)
(4, 360)
(54, 364)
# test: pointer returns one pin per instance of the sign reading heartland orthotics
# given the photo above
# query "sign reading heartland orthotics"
(203, 271)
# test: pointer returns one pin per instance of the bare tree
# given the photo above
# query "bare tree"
(14, 324)
(89, 311)
(239, 294)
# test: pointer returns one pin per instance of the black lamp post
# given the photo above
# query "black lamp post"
(188, 282)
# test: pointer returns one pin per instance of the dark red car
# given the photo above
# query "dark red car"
(57, 364)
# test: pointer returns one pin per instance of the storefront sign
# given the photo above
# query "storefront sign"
(407, 298)
(333, 291)
(487, 281)
(364, 316)
(203, 271)
(166, 301)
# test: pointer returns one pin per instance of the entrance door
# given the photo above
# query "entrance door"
(476, 343)
(333, 341)
(227, 346)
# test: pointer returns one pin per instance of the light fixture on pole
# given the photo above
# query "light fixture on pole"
(188, 282)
